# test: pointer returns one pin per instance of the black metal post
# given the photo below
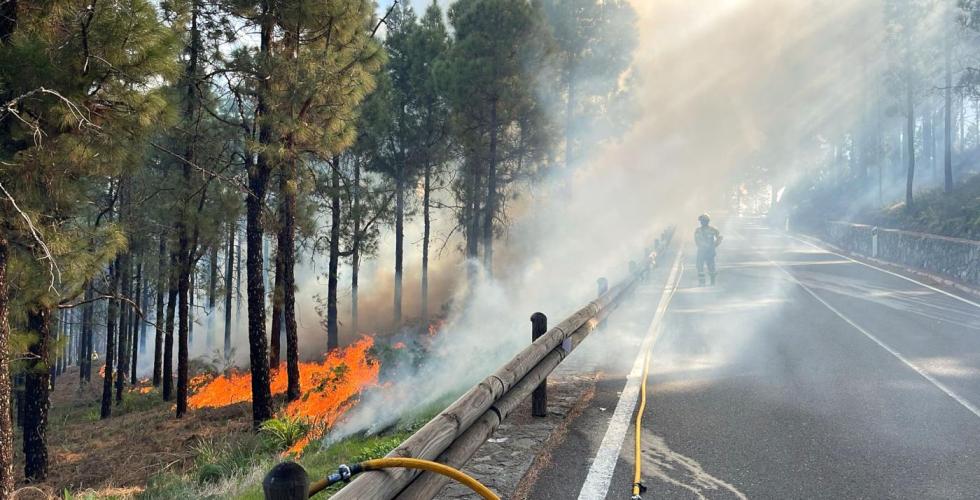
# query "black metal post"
(286, 481)
(539, 398)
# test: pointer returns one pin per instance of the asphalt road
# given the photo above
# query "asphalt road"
(801, 374)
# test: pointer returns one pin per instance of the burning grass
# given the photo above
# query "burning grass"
(330, 388)
(143, 452)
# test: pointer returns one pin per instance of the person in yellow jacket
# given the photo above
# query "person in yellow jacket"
(707, 238)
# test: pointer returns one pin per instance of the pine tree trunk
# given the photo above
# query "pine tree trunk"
(275, 336)
(145, 305)
(110, 341)
(426, 230)
(229, 269)
(87, 340)
(333, 336)
(37, 397)
(212, 295)
(399, 241)
(6, 422)
(570, 118)
(160, 314)
(238, 268)
(59, 330)
(191, 288)
(356, 249)
(491, 208)
(183, 328)
(185, 262)
(472, 219)
(289, 283)
(213, 279)
(258, 178)
(168, 339)
(960, 104)
(137, 324)
(948, 112)
(910, 142)
(122, 357)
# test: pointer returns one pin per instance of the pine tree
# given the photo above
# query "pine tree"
(492, 92)
(79, 94)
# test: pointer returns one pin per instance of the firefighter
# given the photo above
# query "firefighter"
(707, 238)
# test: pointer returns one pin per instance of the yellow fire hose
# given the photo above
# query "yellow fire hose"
(346, 472)
(638, 487)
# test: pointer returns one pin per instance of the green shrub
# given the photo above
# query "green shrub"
(283, 432)
(209, 474)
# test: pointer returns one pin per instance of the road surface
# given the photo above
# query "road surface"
(802, 374)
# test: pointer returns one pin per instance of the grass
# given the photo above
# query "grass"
(235, 468)
(956, 214)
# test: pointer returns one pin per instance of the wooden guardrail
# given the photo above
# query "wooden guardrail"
(454, 435)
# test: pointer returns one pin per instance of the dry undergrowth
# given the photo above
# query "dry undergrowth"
(115, 457)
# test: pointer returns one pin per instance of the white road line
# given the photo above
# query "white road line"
(939, 385)
(906, 278)
(596, 484)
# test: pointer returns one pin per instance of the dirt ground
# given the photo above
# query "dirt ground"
(116, 456)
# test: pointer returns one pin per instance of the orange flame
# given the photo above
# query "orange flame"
(435, 327)
(330, 388)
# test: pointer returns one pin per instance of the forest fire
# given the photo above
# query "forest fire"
(330, 388)
(436, 326)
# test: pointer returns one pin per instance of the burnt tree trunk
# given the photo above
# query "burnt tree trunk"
(37, 400)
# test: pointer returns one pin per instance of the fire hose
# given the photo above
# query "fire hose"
(638, 487)
(346, 472)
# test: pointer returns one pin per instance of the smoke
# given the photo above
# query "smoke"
(721, 87)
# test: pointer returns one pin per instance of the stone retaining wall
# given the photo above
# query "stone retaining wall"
(954, 258)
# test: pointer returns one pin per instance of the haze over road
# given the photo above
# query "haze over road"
(802, 374)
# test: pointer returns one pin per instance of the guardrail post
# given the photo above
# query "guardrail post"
(539, 398)
(874, 242)
(286, 481)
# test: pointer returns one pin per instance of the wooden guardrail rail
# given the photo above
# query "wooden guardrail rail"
(454, 435)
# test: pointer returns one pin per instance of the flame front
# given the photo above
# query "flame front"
(329, 388)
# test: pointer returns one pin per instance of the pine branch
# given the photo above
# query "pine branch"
(53, 268)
